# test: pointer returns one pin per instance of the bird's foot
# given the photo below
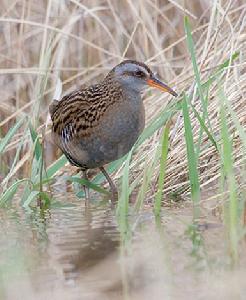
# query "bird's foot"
(86, 189)
(114, 196)
(114, 191)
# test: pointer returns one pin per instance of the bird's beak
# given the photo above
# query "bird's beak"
(154, 82)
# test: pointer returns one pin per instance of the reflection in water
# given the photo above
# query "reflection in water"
(89, 239)
(77, 253)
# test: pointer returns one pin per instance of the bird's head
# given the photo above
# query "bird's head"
(136, 76)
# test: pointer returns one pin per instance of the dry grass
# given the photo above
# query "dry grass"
(79, 41)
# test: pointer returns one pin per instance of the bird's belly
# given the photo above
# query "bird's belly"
(113, 139)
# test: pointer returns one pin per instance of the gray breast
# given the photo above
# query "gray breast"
(117, 133)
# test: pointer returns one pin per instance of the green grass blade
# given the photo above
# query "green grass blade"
(8, 195)
(159, 122)
(192, 160)
(5, 140)
(230, 180)
(112, 167)
(205, 128)
(45, 198)
(91, 185)
(219, 70)
(123, 203)
(35, 140)
(191, 48)
(12, 170)
(35, 170)
(26, 192)
(163, 163)
(143, 187)
(147, 178)
(56, 166)
(241, 130)
(32, 196)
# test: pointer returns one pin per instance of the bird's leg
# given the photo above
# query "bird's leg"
(111, 184)
(85, 188)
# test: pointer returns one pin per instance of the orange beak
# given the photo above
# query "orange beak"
(154, 82)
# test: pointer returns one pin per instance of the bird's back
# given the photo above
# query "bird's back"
(96, 125)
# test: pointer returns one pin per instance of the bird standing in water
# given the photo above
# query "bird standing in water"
(100, 123)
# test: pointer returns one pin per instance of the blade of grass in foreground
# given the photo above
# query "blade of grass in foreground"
(231, 217)
(123, 203)
(192, 160)
(219, 71)
(4, 141)
(87, 183)
(147, 178)
(36, 142)
(56, 166)
(16, 161)
(191, 48)
(205, 128)
(8, 195)
(204, 102)
(158, 122)
(163, 162)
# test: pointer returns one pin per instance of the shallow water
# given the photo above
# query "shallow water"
(86, 253)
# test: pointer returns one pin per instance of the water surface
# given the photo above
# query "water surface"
(75, 252)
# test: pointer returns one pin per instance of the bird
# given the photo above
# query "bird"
(100, 123)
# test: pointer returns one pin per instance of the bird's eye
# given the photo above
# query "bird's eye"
(139, 73)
